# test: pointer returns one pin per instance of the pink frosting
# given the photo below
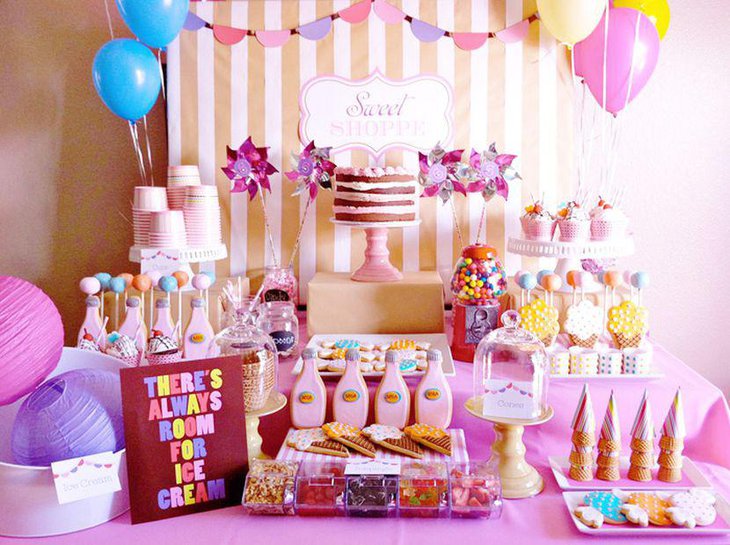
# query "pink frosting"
(372, 172)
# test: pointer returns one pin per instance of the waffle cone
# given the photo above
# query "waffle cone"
(642, 445)
(549, 340)
(581, 473)
(669, 475)
(671, 443)
(590, 342)
(607, 461)
(608, 473)
(670, 459)
(606, 445)
(580, 458)
(583, 439)
(625, 341)
(643, 459)
(641, 474)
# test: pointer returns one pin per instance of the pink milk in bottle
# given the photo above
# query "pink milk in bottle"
(351, 400)
(163, 321)
(133, 326)
(308, 400)
(92, 322)
(434, 401)
(198, 333)
(392, 398)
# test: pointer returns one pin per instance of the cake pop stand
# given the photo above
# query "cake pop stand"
(275, 403)
(377, 266)
(185, 256)
(519, 479)
(569, 254)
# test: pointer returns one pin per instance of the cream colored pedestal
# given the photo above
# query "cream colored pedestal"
(337, 304)
(519, 479)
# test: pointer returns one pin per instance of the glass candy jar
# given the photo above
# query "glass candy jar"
(258, 357)
(511, 373)
(279, 320)
(280, 284)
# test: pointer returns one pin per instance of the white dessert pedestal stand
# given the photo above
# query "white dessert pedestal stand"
(275, 403)
(183, 256)
(519, 479)
(569, 254)
(377, 266)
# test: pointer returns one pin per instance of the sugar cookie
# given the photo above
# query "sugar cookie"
(654, 506)
(608, 504)
(699, 502)
(682, 516)
(635, 514)
(590, 516)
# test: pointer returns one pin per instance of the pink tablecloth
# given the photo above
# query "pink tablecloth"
(543, 519)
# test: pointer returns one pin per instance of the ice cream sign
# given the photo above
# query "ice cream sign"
(376, 113)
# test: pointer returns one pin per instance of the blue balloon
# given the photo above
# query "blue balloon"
(167, 283)
(542, 273)
(155, 22)
(127, 78)
(117, 284)
(528, 281)
(104, 279)
(209, 274)
(640, 279)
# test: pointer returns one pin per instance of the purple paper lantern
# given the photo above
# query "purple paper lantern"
(74, 414)
(31, 338)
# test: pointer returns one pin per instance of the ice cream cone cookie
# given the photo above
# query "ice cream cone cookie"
(627, 324)
(583, 439)
(642, 443)
(672, 442)
(540, 319)
(609, 444)
(391, 438)
(315, 440)
(655, 507)
(590, 516)
(700, 503)
(583, 324)
(608, 504)
(430, 437)
(350, 436)
(635, 514)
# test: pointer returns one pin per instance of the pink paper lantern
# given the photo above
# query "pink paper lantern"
(31, 338)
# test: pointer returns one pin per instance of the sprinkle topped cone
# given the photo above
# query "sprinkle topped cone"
(583, 440)
(609, 444)
(672, 442)
(642, 443)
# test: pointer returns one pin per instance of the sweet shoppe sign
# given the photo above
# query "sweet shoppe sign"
(185, 434)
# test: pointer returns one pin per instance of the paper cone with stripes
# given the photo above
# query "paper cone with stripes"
(672, 442)
(583, 439)
(609, 444)
(642, 443)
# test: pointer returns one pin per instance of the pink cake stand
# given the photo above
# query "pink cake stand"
(377, 266)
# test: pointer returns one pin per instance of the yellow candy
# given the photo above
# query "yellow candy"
(468, 261)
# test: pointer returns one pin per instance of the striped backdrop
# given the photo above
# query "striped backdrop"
(518, 95)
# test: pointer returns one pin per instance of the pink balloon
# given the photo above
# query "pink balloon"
(620, 55)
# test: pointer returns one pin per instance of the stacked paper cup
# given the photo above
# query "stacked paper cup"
(202, 216)
(147, 199)
(179, 177)
(167, 229)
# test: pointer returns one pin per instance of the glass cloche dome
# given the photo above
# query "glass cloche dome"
(511, 373)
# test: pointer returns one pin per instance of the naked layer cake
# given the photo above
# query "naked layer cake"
(375, 194)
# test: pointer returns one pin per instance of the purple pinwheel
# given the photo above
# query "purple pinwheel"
(489, 173)
(248, 168)
(438, 173)
(313, 170)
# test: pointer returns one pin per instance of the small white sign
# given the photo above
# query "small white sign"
(86, 477)
(164, 261)
(373, 467)
(377, 113)
(508, 399)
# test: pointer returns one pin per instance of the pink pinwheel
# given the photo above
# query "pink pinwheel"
(438, 173)
(248, 168)
(314, 170)
(489, 173)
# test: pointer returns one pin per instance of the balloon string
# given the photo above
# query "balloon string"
(482, 217)
(456, 223)
(109, 18)
(299, 233)
(149, 150)
(162, 74)
(138, 151)
(267, 227)
(603, 96)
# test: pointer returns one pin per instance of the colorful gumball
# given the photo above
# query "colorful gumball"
(142, 283)
(542, 274)
(103, 278)
(201, 282)
(181, 277)
(90, 285)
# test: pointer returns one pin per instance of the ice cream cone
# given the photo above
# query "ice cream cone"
(638, 473)
(581, 458)
(581, 473)
(608, 473)
(669, 475)
(590, 342)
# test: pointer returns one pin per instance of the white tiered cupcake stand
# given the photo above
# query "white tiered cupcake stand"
(569, 254)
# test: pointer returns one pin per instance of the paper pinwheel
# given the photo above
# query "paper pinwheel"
(490, 171)
(439, 173)
(248, 169)
(313, 170)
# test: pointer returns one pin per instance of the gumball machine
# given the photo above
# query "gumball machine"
(478, 282)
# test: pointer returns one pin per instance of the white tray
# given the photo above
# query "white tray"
(655, 374)
(691, 477)
(437, 340)
(720, 526)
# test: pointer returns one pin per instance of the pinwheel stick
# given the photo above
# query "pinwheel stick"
(456, 222)
(267, 226)
(299, 233)
(482, 217)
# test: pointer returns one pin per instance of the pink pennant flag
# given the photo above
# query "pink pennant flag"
(425, 32)
(356, 13)
(674, 425)
(643, 427)
(228, 35)
(583, 419)
(610, 430)
(514, 33)
(273, 38)
(388, 12)
(469, 41)
(316, 30)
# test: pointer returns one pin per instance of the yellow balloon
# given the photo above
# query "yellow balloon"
(656, 10)
(570, 21)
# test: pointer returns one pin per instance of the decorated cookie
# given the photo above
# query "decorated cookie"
(423, 346)
(682, 516)
(584, 323)
(627, 324)
(654, 506)
(403, 344)
(327, 344)
(336, 366)
(540, 319)
(700, 504)
(590, 516)
(367, 357)
(422, 365)
(366, 347)
(408, 366)
(608, 504)
(379, 366)
(635, 514)
(315, 440)
(421, 354)
(347, 343)
(366, 367)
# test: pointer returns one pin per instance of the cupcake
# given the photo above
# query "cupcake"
(574, 223)
(123, 347)
(162, 349)
(607, 222)
(87, 342)
(537, 223)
